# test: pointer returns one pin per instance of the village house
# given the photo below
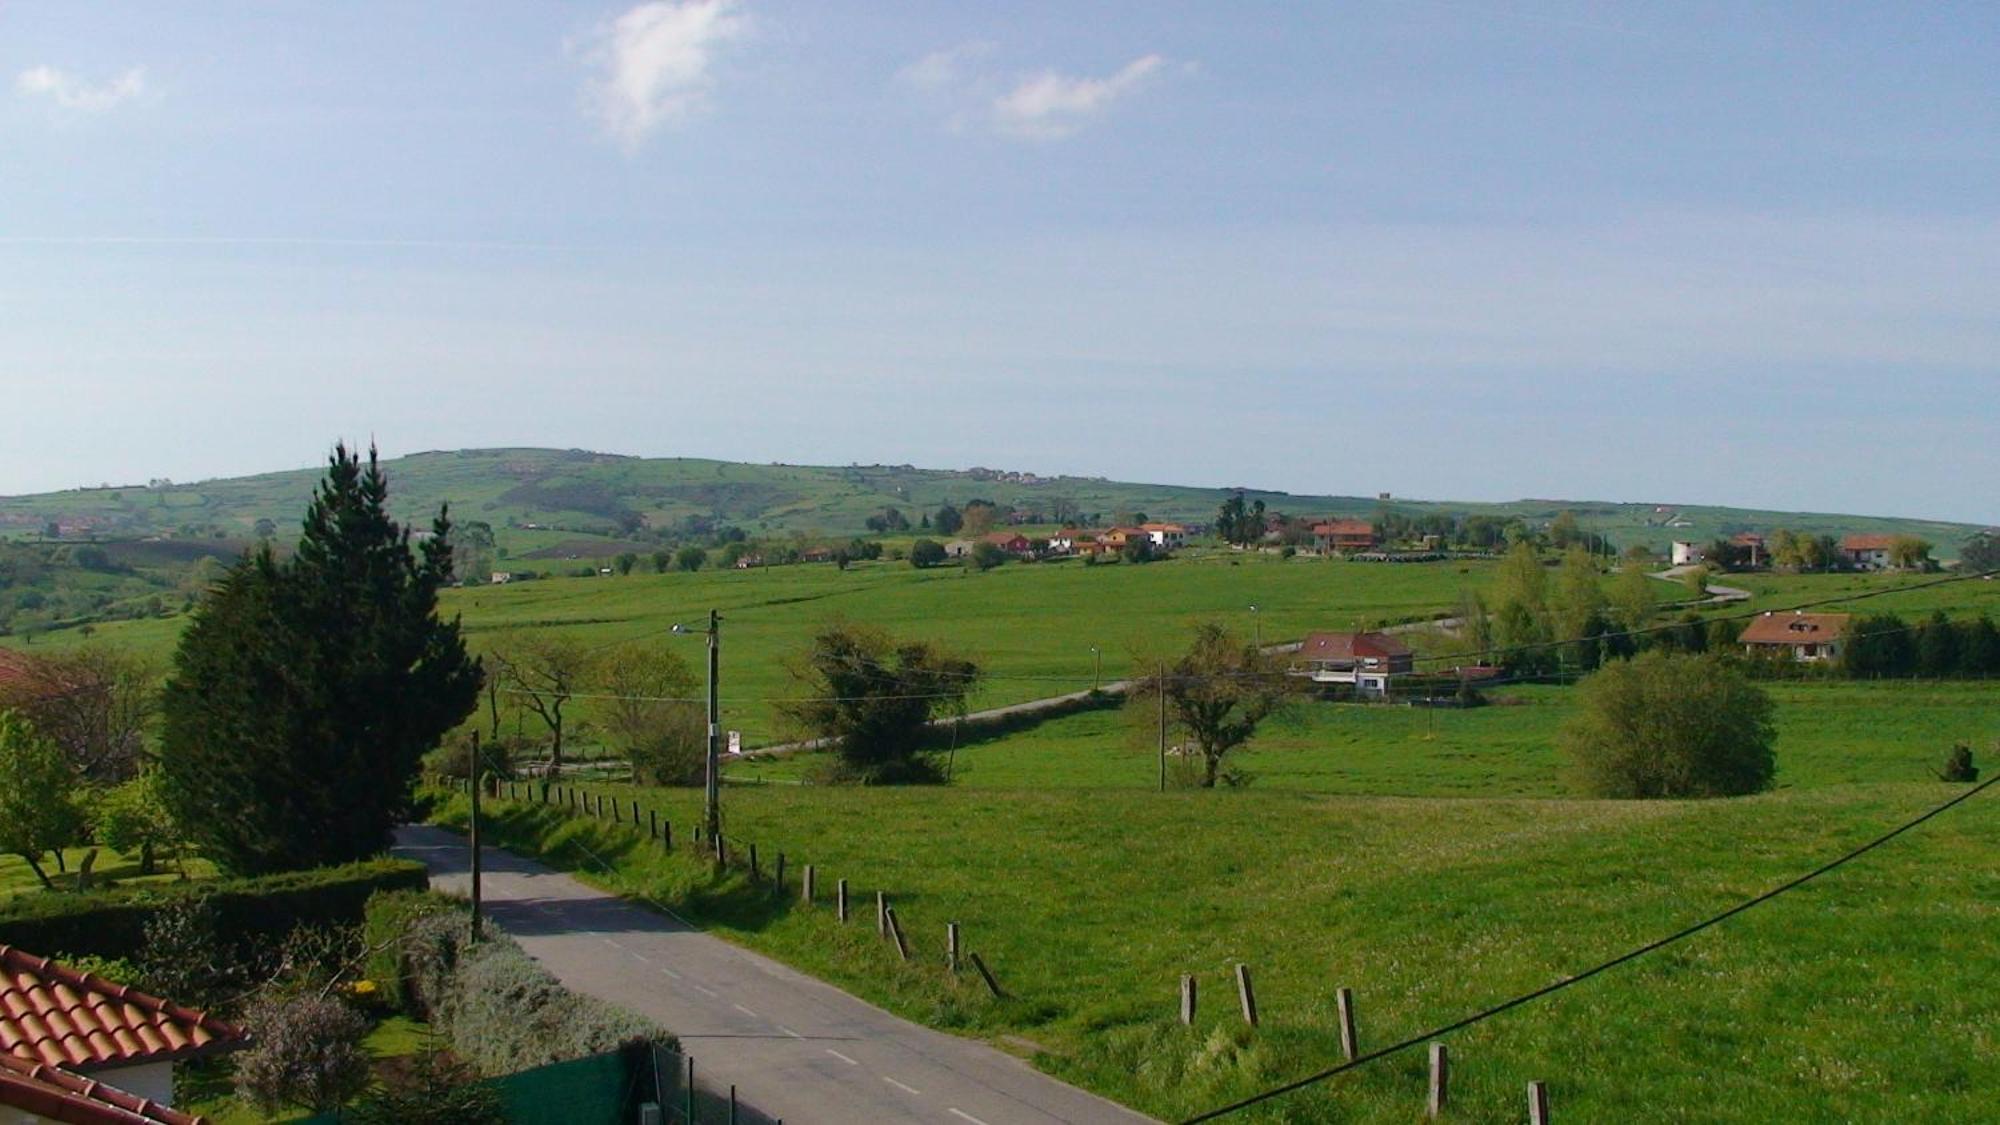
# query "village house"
(1366, 660)
(1169, 536)
(1012, 542)
(1867, 552)
(1344, 536)
(1687, 552)
(1116, 538)
(1811, 637)
(83, 1036)
(1753, 545)
(1064, 542)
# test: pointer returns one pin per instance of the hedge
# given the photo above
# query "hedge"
(498, 1008)
(261, 908)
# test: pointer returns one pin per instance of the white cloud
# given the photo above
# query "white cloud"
(654, 64)
(1049, 106)
(942, 68)
(71, 92)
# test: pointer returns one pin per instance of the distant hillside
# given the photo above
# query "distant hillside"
(537, 499)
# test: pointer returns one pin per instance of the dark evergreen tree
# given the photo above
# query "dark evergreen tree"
(1979, 648)
(1878, 647)
(1937, 648)
(305, 692)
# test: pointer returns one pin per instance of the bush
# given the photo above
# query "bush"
(387, 920)
(430, 1088)
(926, 553)
(498, 1009)
(1666, 725)
(1958, 766)
(253, 912)
(453, 758)
(305, 1050)
(986, 556)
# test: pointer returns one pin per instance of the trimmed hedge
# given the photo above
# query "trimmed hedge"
(498, 1008)
(263, 908)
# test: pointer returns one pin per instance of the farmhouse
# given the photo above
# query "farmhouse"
(1012, 542)
(1366, 660)
(1171, 536)
(1809, 636)
(1688, 553)
(59, 1026)
(1063, 542)
(1344, 535)
(1867, 552)
(1752, 544)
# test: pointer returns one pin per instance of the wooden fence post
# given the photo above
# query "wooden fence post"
(840, 900)
(1187, 999)
(806, 886)
(778, 874)
(882, 913)
(896, 934)
(1440, 1078)
(653, 823)
(1349, 1044)
(667, 834)
(753, 863)
(986, 975)
(1538, 1103)
(951, 945)
(1244, 994)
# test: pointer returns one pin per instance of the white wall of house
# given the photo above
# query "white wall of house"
(153, 1081)
(1687, 553)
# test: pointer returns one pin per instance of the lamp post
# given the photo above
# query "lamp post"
(1097, 667)
(712, 796)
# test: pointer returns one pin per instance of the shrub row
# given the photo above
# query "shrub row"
(498, 1009)
(264, 908)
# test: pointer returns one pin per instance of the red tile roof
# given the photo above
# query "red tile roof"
(1867, 542)
(1795, 629)
(1345, 527)
(53, 1014)
(1347, 646)
(57, 1095)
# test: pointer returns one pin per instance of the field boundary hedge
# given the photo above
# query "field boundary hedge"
(113, 924)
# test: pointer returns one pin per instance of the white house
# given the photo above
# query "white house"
(1688, 553)
(1171, 536)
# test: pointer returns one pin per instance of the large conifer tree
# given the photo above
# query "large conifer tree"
(305, 692)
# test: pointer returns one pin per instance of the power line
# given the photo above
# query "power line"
(1558, 986)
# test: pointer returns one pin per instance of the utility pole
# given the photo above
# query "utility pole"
(1163, 728)
(712, 812)
(1097, 668)
(476, 784)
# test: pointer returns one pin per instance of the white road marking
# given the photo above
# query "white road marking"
(610, 943)
(671, 973)
(790, 1032)
(642, 958)
(957, 1112)
(744, 1010)
(706, 991)
(900, 1086)
(841, 1057)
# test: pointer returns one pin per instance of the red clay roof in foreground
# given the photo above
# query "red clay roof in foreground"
(51, 1013)
(1795, 629)
(52, 1094)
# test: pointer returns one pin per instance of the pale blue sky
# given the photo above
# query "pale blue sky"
(1453, 250)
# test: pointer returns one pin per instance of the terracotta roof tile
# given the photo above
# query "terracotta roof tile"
(1795, 629)
(57, 1095)
(56, 1015)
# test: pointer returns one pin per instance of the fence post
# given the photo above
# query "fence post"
(986, 975)
(882, 913)
(778, 874)
(806, 886)
(721, 854)
(840, 900)
(951, 945)
(688, 1088)
(732, 1103)
(1245, 994)
(1187, 999)
(1538, 1103)
(1440, 1076)
(653, 822)
(753, 863)
(1350, 1045)
(896, 933)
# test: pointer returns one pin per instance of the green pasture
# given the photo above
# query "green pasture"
(1860, 997)
(1829, 733)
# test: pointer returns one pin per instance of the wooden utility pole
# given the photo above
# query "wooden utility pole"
(474, 833)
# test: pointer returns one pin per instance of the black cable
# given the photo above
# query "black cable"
(1689, 931)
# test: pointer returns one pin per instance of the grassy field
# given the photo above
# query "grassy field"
(1831, 733)
(1861, 997)
(112, 867)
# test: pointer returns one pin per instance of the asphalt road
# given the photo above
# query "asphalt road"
(795, 1047)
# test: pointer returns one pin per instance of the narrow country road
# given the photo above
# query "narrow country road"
(796, 1048)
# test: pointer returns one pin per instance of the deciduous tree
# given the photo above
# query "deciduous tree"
(38, 810)
(543, 671)
(1665, 725)
(872, 696)
(1218, 691)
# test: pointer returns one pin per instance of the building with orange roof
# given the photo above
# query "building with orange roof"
(54, 1016)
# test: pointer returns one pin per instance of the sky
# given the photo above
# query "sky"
(1698, 253)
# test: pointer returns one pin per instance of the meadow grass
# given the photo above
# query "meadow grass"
(112, 868)
(1861, 997)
